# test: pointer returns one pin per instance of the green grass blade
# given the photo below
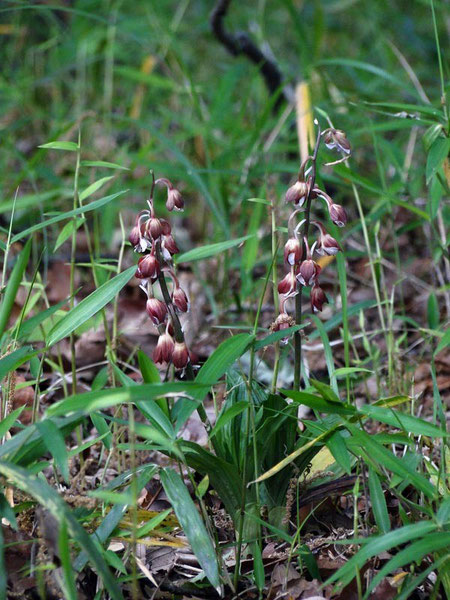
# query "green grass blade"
(404, 421)
(60, 145)
(70, 588)
(338, 449)
(432, 542)
(192, 524)
(149, 370)
(54, 442)
(13, 284)
(66, 215)
(89, 306)
(9, 420)
(27, 446)
(363, 66)
(211, 249)
(10, 362)
(48, 498)
(438, 153)
(320, 404)
(391, 462)
(102, 164)
(413, 584)
(28, 326)
(101, 399)
(277, 336)
(378, 501)
(328, 353)
(67, 231)
(377, 544)
(91, 189)
(3, 571)
(214, 368)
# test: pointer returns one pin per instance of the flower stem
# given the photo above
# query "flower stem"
(178, 333)
(298, 297)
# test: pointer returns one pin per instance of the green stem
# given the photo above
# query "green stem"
(133, 508)
(251, 422)
(276, 303)
(441, 68)
(298, 339)
(298, 297)
(178, 334)
(72, 262)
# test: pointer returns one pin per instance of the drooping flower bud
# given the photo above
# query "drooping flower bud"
(336, 139)
(308, 273)
(337, 214)
(288, 284)
(148, 266)
(180, 300)
(138, 274)
(165, 226)
(170, 245)
(135, 236)
(164, 349)
(154, 228)
(293, 251)
(318, 298)
(156, 310)
(297, 193)
(327, 245)
(174, 200)
(180, 356)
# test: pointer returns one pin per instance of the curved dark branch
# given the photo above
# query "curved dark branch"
(241, 43)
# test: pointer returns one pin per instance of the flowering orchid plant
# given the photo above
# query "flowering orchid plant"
(152, 237)
(303, 270)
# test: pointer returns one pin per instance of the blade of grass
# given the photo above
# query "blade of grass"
(101, 399)
(211, 249)
(89, 306)
(378, 501)
(66, 215)
(47, 497)
(192, 524)
(12, 287)
(70, 590)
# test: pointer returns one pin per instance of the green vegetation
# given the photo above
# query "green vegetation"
(318, 466)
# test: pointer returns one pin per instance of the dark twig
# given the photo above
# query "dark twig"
(241, 43)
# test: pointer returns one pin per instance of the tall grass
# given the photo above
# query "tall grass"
(93, 95)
